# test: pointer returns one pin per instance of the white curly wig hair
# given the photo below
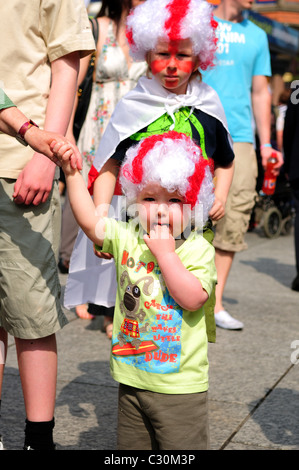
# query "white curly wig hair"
(173, 20)
(175, 162)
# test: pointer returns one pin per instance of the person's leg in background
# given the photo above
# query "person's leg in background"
(3, 351)
(231, 229)
(295, 283)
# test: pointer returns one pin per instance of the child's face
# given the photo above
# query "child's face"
(172, 63)
(157, 206)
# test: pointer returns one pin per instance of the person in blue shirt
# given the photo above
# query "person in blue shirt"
(240, 77)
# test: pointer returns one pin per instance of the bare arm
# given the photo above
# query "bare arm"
(223, 180)
(83, 208)
(103, 191)
(84, 63)
(261, 105)
(183, 286)
(80, 200)
(104, 185)
(12, 119)
(35, 181)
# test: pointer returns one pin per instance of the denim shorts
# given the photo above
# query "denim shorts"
(30, 305)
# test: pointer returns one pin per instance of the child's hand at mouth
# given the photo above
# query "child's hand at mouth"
(160, 241)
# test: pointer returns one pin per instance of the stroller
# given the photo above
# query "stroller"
(274, 214)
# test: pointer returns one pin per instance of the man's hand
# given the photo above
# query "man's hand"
(266, 153)
(43, 142)
(34, 183)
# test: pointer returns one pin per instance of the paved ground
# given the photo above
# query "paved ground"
(254, 383)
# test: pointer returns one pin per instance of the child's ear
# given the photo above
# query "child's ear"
(196, 64)
(196, 71)
(148, 59)
(148, 72)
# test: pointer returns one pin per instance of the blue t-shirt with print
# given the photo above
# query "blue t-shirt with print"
(242, 53)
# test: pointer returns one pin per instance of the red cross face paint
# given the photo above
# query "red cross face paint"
(172, 63)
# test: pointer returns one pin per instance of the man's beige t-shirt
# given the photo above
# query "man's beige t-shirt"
(33, 34)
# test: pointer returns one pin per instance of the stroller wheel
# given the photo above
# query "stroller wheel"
(272, 222)
(287, 226)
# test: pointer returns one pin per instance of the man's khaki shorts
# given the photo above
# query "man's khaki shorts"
(29, 284)
(231, 229)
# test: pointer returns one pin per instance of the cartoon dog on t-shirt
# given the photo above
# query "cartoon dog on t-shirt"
(130, 308)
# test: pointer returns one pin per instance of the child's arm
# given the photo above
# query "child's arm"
(183, 286)
(81, 202)
(103, 190)
(223, 177)
(104, 185)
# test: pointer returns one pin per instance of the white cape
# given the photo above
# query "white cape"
(146, 103)
(92, 280)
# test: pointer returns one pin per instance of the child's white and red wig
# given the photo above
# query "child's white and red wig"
(173, 20)
(173, 161)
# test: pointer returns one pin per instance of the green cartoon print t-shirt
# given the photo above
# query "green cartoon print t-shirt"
(157, 345)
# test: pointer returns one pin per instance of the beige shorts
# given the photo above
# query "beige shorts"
(29, 284)
(231, 229)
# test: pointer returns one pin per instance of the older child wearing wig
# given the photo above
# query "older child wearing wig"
(165, 273)
(177, 38)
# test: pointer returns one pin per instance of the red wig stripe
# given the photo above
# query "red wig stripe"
(135, 176)
(178, 10)
(196, 180)
(135, 173)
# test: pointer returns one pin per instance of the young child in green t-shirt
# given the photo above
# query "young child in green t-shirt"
(165, 274)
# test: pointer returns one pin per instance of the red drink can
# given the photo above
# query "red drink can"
(269, 182)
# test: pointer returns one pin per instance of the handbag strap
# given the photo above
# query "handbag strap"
(95, 29)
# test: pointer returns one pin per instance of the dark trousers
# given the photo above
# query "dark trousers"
(296, 227)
